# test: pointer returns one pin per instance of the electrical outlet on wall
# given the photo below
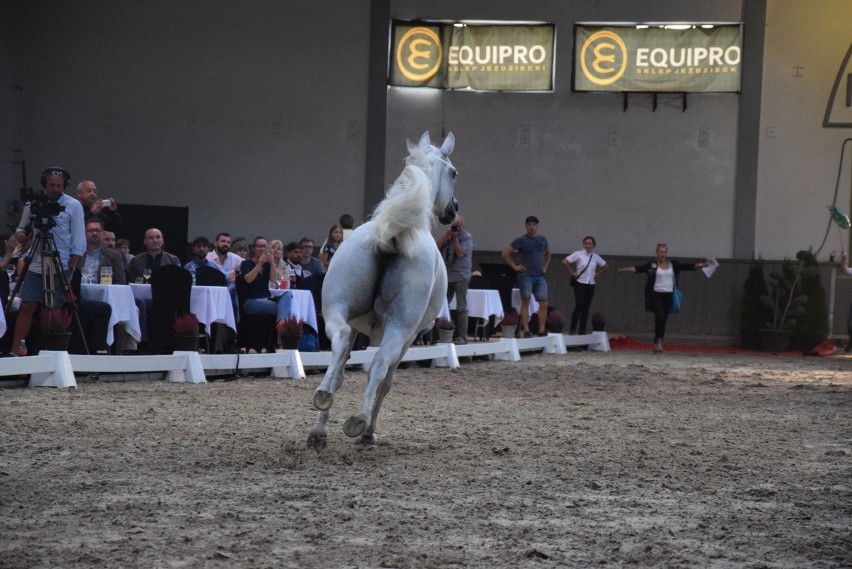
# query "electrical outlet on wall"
(614, 137)
(703, 137)
(525, 135)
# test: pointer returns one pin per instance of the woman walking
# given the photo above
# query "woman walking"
(584, 266)
(662, 278)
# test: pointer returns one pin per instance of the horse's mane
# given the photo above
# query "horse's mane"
(406, 208)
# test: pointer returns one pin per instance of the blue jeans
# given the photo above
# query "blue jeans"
(280, 309)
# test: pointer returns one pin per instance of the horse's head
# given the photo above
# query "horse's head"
(442, 176)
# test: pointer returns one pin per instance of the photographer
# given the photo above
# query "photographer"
(105, 210)
(456, 246)
(55, 213)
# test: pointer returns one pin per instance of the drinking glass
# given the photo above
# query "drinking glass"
(146, 275)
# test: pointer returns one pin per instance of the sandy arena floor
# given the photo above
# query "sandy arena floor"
(620, 459)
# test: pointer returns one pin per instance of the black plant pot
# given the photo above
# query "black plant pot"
(775, 340)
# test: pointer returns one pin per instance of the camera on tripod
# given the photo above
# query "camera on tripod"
(42, 208)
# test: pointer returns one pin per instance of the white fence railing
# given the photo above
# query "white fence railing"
(57, 369)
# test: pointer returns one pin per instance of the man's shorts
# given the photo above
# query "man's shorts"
(535, 286)
(32, 291)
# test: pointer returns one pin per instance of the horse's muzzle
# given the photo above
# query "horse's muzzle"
(449, 212)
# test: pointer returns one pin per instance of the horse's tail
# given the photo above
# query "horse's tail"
(406, 209)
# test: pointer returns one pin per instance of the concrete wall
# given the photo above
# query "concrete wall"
(799, 158)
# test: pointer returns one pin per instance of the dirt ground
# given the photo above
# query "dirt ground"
(620, 459)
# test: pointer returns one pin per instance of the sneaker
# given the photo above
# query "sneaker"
(542, 334)
(460, 341)
(527, 334)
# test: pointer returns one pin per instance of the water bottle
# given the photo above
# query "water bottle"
(192, 272)
(22, 348)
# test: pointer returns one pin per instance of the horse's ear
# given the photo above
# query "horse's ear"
(425, 142)
(449, 143)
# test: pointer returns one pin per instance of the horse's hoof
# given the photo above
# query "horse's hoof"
(317, 439)
(354, 425)
(323, 400)
(369, 439)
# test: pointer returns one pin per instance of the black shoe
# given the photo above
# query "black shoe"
(542, 334)
(527, 334)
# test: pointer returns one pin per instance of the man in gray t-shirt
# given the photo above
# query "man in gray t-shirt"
(534, 252)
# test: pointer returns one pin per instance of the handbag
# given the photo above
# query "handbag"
(573, 282)
(677, 300)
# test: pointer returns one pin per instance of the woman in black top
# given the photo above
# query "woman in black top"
(663, 276)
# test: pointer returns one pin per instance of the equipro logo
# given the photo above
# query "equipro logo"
(419, 54)
(603, 58)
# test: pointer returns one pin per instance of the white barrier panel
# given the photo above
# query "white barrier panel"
(179, 367)
(56, 369)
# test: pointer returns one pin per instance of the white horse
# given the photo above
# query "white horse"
(388, 281)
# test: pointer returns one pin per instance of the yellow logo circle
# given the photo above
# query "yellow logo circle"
(419, 54)
(603, 58)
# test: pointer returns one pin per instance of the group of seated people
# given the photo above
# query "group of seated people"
(250, 270)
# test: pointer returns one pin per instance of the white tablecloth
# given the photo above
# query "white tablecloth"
(303, 306)
(120, 298)
(482, 303)
(209, 303)
(516, 302)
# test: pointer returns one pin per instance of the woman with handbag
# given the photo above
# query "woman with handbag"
(660, 286)
(583, 266)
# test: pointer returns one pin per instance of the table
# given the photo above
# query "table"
(482, 303)
(516, 302)
(302, 307)
(209, 303)
(120, 298)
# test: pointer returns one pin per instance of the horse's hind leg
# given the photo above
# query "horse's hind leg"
(342, 340)
(384, 363)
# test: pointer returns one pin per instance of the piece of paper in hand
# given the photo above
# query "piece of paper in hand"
(712, 265)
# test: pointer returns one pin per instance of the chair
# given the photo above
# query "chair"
(171, 287)
(254, 331)
(211, 276)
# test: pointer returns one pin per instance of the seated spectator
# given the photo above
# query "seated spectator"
(108, 239)
(239, 246)
(153, 257)
(255, 272)
(310, 264)
(332, 242)
(279, 265)
(347, 225)
(294, 263)
(94, 315)
(200, 248)
(123, 246)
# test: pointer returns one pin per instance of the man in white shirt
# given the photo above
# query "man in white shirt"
(229, 263)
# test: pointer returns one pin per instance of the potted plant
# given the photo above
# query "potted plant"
(812, 326)
(509, 323)
(754, 314)
(186, 332)
(785, 304)
(445, 328)
(598, 322)
(289, 332)
(56, 328)
(555, 320)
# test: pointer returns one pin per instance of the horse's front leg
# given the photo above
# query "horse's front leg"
(342, 338)
(385, 362)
